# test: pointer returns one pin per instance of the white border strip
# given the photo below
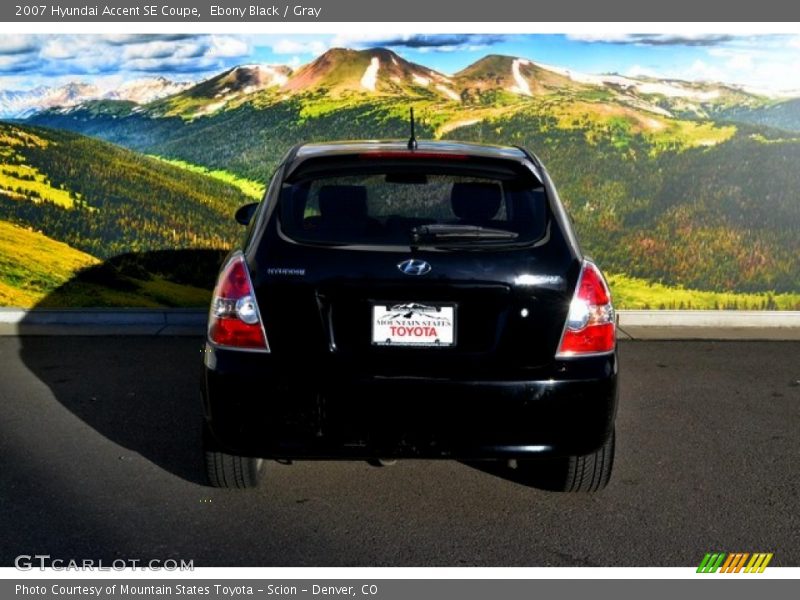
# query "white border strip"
(709, 318)
(331, 27)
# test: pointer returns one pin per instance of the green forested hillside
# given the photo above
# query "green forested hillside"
(723, 217)
(83, 200)
(784, 114)
(677, 183)
(711, 207)
(247, 140)
(126, 201)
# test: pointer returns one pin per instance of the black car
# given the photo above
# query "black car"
(395, 300)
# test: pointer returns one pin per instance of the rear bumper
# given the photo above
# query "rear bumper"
(256, 406)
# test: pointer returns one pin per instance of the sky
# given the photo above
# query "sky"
(763, 62)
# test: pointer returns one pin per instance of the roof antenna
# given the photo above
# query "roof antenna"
(412, 141)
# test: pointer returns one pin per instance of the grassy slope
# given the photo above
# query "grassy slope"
(632, 293)
(23, 181)
(20, 181)
(75, 201)
(252, 189)
(35, 270)
(32, 265)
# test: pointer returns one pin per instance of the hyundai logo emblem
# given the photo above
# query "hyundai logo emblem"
(414, 266)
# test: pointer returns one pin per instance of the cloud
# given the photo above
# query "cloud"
(741, 62)
(18, 63)
(193, 49)
(440, 42)
(741, 59)
(287, 46)
(606, 38)
(58, 49)
(641, 71)
(17, 44)
(772, 67)
(18, 53)
(82, 64)
(172, 65)
(702, 71)
(158, 49)
(228, 47)
(418, 42)
(123, 39)
(197, 53)
(653, 39)
(61, 55)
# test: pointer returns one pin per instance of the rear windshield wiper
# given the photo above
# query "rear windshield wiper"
(445, 232)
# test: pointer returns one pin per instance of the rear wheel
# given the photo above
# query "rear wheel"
(382, 462)
(230, 470)
(587, 473)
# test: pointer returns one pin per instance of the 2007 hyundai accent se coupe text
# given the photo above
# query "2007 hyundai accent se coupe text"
(411, 300)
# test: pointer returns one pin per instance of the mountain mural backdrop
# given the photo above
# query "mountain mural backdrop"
(686, 192)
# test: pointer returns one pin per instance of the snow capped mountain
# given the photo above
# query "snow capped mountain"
(142, 91)
(19, 104)
(241, 80)
(512, 74)
(341, 72)
(14, 103)
(257, 77)
(699, 91)
(222, 91)
(375, 70)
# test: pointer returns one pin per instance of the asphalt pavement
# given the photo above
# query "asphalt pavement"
(100, 458)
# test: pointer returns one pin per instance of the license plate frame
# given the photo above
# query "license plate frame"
(440, 316)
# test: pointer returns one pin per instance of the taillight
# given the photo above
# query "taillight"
(590, 326)
(234, 320)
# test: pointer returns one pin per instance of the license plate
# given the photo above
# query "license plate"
(413, 324)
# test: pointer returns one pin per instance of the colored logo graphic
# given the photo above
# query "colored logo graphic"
(734, 562)
(408, 311)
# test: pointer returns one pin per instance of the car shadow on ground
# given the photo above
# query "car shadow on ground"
(545, 474)
(138, 392)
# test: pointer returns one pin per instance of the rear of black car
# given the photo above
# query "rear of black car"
(429, 303)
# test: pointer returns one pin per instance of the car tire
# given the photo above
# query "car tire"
(382, 462)
(230, 470)
(579, 474)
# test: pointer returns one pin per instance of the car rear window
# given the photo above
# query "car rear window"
(386, 203)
